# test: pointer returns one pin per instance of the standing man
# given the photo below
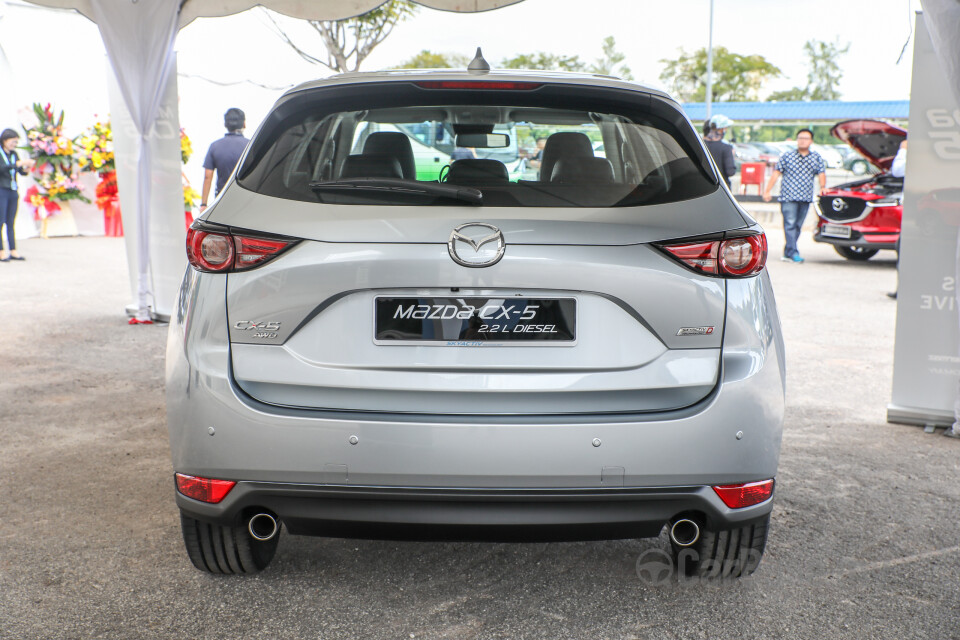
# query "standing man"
(722, 152)
(224, 154)
(798, 168)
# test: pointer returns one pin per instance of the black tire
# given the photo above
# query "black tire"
(726, 554)
(224, 550)
(856, 253)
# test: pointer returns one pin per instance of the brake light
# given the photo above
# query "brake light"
(222, 252)
(734, 257)
(204, 489)
(474, 84)
(737, 496)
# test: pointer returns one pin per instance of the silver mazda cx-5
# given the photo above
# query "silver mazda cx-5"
(401, 320)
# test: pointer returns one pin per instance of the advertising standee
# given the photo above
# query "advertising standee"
(926, 375)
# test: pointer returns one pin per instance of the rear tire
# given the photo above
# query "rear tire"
(226, 550)
(726, 554)
(859, 167)
(856, 253)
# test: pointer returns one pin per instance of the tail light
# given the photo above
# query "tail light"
(217, 252)
(734, 257)
(737, 496)
(498, 85)
(204, 489)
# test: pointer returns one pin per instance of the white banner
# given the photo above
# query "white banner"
(167, 233)
(926, 368)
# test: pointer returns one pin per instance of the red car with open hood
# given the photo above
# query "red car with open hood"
(862, 217)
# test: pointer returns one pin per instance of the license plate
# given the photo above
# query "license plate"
(835, 231)
(475, 322)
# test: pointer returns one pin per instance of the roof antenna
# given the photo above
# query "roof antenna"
(478, 64)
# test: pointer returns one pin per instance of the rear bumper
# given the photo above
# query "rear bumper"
(584, 475)
(473, 514)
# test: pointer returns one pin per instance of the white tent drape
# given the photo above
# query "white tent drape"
(942, 18)
(139, 37)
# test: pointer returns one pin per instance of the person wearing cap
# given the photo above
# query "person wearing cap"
(223, 155)
(722, 152)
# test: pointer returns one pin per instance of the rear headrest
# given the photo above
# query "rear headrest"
(377, 165)
(471, 171)
(395, 144)
(565, 144)
(583, 170)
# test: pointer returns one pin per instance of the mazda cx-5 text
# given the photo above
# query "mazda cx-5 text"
(590, 353)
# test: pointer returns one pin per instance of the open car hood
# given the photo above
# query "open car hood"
(876, 141)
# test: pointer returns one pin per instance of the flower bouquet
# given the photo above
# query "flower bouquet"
(96, 154)
(53, 173)
(190, 196)
(96, 149)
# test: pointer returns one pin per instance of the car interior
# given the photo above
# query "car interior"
(641, 162)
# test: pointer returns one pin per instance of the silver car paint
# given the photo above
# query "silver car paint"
(256, 442)
(627, 343)
(244, 209)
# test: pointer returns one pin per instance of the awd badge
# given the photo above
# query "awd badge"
(695, 331)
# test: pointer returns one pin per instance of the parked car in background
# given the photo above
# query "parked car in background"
(854, 162)
(767, 152)
(743, 152)
(832, 157)
(863, 217)
(365, 348)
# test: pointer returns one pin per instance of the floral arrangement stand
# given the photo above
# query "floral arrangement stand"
(56, 182)
(96, 154)
(190, 196)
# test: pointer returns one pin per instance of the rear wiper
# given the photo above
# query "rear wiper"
(399, 186)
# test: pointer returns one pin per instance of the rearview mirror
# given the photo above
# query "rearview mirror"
(483, 140)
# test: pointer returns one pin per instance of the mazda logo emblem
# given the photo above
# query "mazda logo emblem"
(468, 245)
(839, 204)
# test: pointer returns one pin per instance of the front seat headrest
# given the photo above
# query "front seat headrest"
(565, 144)
(375, 165)
(582, 170)
(474, 171)
(395, 144)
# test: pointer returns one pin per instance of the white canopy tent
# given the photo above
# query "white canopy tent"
(139, 37)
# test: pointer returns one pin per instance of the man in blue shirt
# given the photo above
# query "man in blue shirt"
(798, 168)
(224, 154)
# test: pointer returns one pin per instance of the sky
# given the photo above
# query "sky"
(57, 56)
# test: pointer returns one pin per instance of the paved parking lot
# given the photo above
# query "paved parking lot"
(864, 540)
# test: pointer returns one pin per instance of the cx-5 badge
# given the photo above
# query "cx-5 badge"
(466, 251)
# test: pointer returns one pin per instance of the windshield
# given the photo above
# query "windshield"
(547, 148)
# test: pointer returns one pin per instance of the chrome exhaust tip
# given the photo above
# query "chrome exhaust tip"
(684, 532)
(263, 526)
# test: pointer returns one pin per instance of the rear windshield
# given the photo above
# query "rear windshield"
(548, 146)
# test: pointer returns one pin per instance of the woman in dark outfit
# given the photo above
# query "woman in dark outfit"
(10, 166)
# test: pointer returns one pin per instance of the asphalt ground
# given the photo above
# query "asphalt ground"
(864, 540)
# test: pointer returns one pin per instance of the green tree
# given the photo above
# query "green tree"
(607, 65)
(736, 77)
(348, 42)
(790, 95)
(429, 60)
(825, 73)
(544, 61)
